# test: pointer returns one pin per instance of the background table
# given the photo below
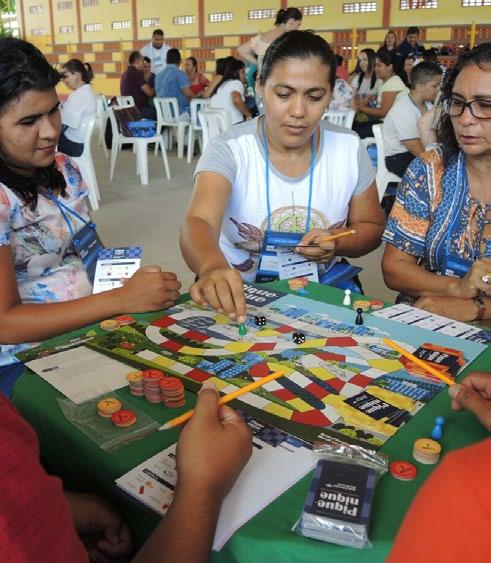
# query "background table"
(267, 537)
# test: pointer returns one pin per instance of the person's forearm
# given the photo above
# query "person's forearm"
(367, 238)
(185, 534)
(374, 112)
(200, 246)
(31, 322)
(244, 110)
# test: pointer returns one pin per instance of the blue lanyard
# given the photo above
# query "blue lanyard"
(62, 207)
(311, 176)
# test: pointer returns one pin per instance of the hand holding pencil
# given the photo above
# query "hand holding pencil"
(321, 245)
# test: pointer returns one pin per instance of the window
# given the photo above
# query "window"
(355, 7)
(312, 10)
(125, 24)
(150, 22)
(39, 31)
(93, 27)
(118, 1)
(220, 17)
(67, 29)
(261, 14)
(183, 20)
(88, 3)
(65, 5)
(38, 9)
(418, 4)
(475, 3)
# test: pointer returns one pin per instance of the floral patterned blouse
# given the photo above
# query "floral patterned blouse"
(47, 267)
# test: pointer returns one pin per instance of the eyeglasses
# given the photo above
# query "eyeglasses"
(481, 109)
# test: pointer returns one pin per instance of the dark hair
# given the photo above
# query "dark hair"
(157, 32)
(284, 15)
(24, 68)
(147, 60)
(135, 56)
(389, 58)
(411, 30)
(445, 134)
(430, 55)
(423, 72)
(221, 64)
(298, 45)
(85, 70)
(231, 72)
(384, 44)
(193, 60)
(370, 53)
(173, 57)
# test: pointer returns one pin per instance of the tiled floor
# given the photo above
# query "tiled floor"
(150, 216)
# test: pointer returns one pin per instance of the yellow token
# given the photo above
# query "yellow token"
(363, 305)
(106, 407)
(134, 376)
(109, 325)
(426, 451)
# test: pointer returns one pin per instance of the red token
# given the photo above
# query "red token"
(171, 383)
(152, 374)
(403, 470)
(123, 418)
(125, 320)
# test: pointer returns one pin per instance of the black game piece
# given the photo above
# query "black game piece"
(359, 318)
(260, 320)
(298, 337)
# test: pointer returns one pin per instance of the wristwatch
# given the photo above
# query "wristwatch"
(481, 306)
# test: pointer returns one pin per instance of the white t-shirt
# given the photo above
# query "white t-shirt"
(342, 169)
(158, 57)
(401, 124)
(365, 88)
(394, 84)
(223, 99)
(76, 112)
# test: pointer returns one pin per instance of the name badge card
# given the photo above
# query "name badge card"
(293, 265)
(113, 264)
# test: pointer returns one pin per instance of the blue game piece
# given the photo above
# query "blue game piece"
(437, 431)
(302, 291)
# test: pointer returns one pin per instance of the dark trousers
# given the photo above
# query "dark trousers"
(8, 376)
(364, 130)
(69, 147)
(398, 163)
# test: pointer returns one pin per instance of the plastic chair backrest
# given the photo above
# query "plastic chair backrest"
(213, 122)
(384, 177)
(197, 106)
(125, 101)
(168, 107)
(340, 117)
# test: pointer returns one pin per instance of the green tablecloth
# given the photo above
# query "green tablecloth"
(267, 537)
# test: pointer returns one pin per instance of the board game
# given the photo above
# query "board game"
(342, 378)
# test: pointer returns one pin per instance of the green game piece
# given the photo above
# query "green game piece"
(242, 330)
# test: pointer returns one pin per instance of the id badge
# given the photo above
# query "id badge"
(457, 267)
(88, 244)
(114, 264)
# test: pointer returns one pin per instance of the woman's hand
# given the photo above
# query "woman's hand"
(471, 284)
(452, 307)
(149, 289)
(325, 250)
(222, 289)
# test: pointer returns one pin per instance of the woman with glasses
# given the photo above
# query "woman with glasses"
(438, 252)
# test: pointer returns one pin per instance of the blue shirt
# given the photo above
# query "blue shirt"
(169, 83)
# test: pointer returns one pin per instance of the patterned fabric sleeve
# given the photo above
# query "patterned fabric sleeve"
(5, 218)
(409, 220)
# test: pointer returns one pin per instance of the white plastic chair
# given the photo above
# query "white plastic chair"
(167, 116)
(194, 127)
(125, 101)
(213, 122)
(340, 117)
(140, 145)
(86, 166)
(101, 120)
(384, 177)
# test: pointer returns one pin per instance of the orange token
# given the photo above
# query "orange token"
(123, 418)
(125, 320)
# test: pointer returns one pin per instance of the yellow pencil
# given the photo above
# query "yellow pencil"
(338, 235)
(225, 398)
(419, 362)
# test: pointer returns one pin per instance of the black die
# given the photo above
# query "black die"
(260, 320)
(298, 337)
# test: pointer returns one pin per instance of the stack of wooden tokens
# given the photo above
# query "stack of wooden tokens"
(108, 406)
(135, 379)
(427, 451)
(172, 391)
(151, 385)
(366, 305)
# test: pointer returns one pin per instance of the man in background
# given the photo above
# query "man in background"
(133, 84)
(410, 46)
(156, 50)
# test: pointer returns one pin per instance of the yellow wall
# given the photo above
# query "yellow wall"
(240, 23)
(105, 14)
(166, 11)
(448, 12)
(334, 18)
(62, 18)
(36, 21)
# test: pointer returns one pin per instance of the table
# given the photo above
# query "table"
(84, 467)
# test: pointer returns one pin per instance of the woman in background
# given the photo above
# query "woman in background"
(390, 43)
(406, 70)
(197, 80)
(79, 108)
(229, 92)
(365, 83)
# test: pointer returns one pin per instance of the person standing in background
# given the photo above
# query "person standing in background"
(156, 51)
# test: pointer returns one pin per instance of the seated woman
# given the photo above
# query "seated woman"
(387, 70)
(197, 80)
(44, 287)
(285, 171)
(438, 236)
(79, 108)
(229, 92)
(365, 83)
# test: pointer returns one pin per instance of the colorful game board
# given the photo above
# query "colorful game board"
(341, 378)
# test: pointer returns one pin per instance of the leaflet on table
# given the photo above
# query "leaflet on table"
(411, 316)
(113, 264)
(278, 461)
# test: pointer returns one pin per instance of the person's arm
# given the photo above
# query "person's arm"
(458, 308)
(387, 101)
(186, 90)
(148, 290)
(212, 449)
(240, 104)
(218, 283)
(474, 394)
(246, 53)
(211, 86)
(414, 146)
(147, 89)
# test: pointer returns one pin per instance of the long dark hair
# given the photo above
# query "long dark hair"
(445, 134)
(23, 68)
(298, 45)
(390, 58)
(85, 70)
(284, 15)
(370, 53)
(231, 72)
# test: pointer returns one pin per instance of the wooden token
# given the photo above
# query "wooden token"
(109, 325)
(107, 406)
(123, 418)
(427, 451)
(403, 470)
